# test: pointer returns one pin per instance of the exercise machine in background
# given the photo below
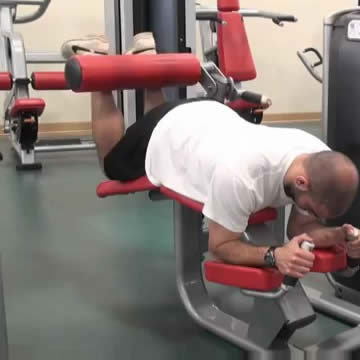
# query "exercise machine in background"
(341, 130)
(219, 41)
(21, 111)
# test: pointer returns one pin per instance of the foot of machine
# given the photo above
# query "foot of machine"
(28, 167)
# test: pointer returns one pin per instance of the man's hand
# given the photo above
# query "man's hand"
(292, 260)
(352, 235)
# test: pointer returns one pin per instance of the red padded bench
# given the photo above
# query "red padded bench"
(110, 188)
(243, 277)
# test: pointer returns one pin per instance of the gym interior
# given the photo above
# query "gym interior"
(92, 269)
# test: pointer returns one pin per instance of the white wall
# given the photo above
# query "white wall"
(280, 74)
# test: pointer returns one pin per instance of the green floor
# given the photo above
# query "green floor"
(87, 278)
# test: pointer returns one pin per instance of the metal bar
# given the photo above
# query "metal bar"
(43, 5)
(267, 295)
(212, 12)
(17, 55)
(56, 148)
(44, 58)
(330, 304)
(6, 26)
(127, 33)
(20, 2)
(339, 347)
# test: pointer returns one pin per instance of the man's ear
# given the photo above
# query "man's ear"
(302, 183)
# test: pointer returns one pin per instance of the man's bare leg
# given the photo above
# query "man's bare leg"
(108, 124)
(152, 99)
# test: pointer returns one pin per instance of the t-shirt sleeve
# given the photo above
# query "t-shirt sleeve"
(230, 200)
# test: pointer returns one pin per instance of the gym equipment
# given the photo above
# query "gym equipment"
(21, 112)
(285, 306)
(217, 29)
(265, 297)
(340, 130)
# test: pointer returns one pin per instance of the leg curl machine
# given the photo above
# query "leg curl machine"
(21, 111)
(340, 113)
(276, 301)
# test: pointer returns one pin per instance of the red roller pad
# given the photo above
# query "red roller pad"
(35, 106)
(228, 5)
(109, 188)
(5, 81)
(105, 73)
(234, 52)
(329, 260)
(244, 277)
(51, 80)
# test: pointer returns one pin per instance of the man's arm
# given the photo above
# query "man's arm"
(229, 247)
(290, 259)
(322, 235)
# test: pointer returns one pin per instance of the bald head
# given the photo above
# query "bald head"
(334, 180)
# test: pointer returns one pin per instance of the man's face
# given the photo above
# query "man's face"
(306, 205)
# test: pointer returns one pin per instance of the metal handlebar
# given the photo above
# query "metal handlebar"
(211, 14)
(309, 66)
(42, 4)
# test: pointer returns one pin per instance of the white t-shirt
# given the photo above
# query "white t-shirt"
(207, 152)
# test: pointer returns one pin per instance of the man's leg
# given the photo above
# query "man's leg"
(108, 126)
(152, 99)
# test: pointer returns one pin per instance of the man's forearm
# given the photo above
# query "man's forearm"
(322, 236)
(237, 252)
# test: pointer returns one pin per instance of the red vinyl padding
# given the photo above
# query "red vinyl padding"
(329, 260)
(105, 73)
(265, 279)
(228, 5)
(234, 52)
(49, 80)
(5, 81)
(35, 106)
(109, 188)
(244, 277)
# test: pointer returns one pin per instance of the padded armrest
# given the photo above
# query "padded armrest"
(329, 260)
(35, 106)
(244, 277)
(253, 278)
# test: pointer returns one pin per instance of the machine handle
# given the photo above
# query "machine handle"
(310, 67)
(252, 97)
(286, 18)
(42, 4)
(353, 263)
(291, 281)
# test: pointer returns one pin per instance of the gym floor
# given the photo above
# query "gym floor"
(92, 279)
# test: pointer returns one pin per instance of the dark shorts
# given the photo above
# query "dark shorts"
(126, 161)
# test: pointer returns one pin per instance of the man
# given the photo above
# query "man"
(202, 149)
